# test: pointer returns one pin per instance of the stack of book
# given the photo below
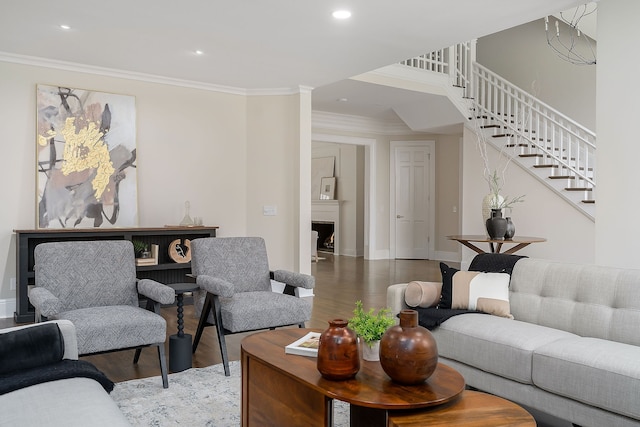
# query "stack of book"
(305, 346)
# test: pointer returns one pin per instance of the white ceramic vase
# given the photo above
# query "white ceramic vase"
(371, 351)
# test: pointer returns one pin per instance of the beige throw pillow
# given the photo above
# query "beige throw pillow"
(422, 294)
(486, 292)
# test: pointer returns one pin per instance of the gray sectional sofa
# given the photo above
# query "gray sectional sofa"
(77, 399)
(572, 349)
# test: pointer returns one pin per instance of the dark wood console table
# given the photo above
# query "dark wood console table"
(166, 271)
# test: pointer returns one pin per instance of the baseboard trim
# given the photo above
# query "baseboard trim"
(7, 307)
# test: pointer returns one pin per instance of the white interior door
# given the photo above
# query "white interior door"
(412, 201)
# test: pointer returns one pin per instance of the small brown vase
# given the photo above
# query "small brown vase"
(408, 352)
(338, 357)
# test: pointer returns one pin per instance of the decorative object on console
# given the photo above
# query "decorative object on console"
(151, 258)
(496, 225)
(186, 220)
(370, 326)
(474, 290)
(86, 159)
(338, 357)
(141, 249)
(179, 252)
(408, 352)
(327, 188)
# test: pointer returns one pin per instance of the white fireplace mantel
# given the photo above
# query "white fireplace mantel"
(328, 211)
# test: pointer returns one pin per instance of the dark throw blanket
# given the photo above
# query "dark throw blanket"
(431, 318)
(56, 371)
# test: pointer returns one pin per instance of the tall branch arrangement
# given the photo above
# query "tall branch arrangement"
(495, 176)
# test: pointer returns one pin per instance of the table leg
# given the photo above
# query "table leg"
(472, 246)
(180, 343)
(516, 248)
(360, 416)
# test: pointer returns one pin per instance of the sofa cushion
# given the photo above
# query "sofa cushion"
(75, 402)
(422, 294)
(107, 328)
(601, 373)
(494, 344)
(466, 289)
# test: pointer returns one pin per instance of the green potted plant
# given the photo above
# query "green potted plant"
(370, 326)
(141, 249)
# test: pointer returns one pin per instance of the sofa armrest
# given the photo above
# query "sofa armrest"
(68, 331)
(395, 298)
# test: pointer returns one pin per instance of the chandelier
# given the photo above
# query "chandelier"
(568, 42)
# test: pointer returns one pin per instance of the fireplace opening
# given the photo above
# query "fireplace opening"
(326, 235)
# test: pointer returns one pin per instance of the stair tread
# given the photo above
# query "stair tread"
(545, 166)
(578, 189)
(562, 177)
(590, 201)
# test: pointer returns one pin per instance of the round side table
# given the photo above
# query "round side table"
(180, 343)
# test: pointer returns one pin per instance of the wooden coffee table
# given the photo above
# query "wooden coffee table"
(282, 389)
(471, 409)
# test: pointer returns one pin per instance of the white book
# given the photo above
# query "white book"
(305, 346)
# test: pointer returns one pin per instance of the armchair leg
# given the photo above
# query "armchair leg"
(136, 357)
(301, 325)
(163, 366)
(206, 308)
(220, 330)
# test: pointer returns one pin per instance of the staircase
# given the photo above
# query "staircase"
(556, 150)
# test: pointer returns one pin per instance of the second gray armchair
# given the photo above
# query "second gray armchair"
(235, 280)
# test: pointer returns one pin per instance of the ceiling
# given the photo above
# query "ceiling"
(259, 46)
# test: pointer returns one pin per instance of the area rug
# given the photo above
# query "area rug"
(195, 397)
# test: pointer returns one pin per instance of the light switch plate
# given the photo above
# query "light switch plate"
(269, 210)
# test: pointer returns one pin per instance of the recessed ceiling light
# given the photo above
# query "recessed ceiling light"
(341, 14)
(65, 27)
(342, 100)
(198, 52)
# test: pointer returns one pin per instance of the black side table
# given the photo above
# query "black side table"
(180, 343)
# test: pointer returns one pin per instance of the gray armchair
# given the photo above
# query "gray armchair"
(235, 296)
(93, 284)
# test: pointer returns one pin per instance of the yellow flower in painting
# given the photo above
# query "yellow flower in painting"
(85, 149)
(43, 140)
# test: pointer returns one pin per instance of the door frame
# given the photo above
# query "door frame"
(370, 223)
(431, 145)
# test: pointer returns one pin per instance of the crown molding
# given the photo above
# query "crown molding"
(144, 77)
(345, 122)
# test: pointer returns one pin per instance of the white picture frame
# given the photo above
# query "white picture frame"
(327, 188)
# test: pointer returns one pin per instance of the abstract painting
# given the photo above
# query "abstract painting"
(86, 159)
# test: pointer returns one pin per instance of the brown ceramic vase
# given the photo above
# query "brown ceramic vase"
(408, 352)
(338, 357)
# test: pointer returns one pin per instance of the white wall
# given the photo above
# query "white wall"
(617, 201)
(570, 234)
(522, 56)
